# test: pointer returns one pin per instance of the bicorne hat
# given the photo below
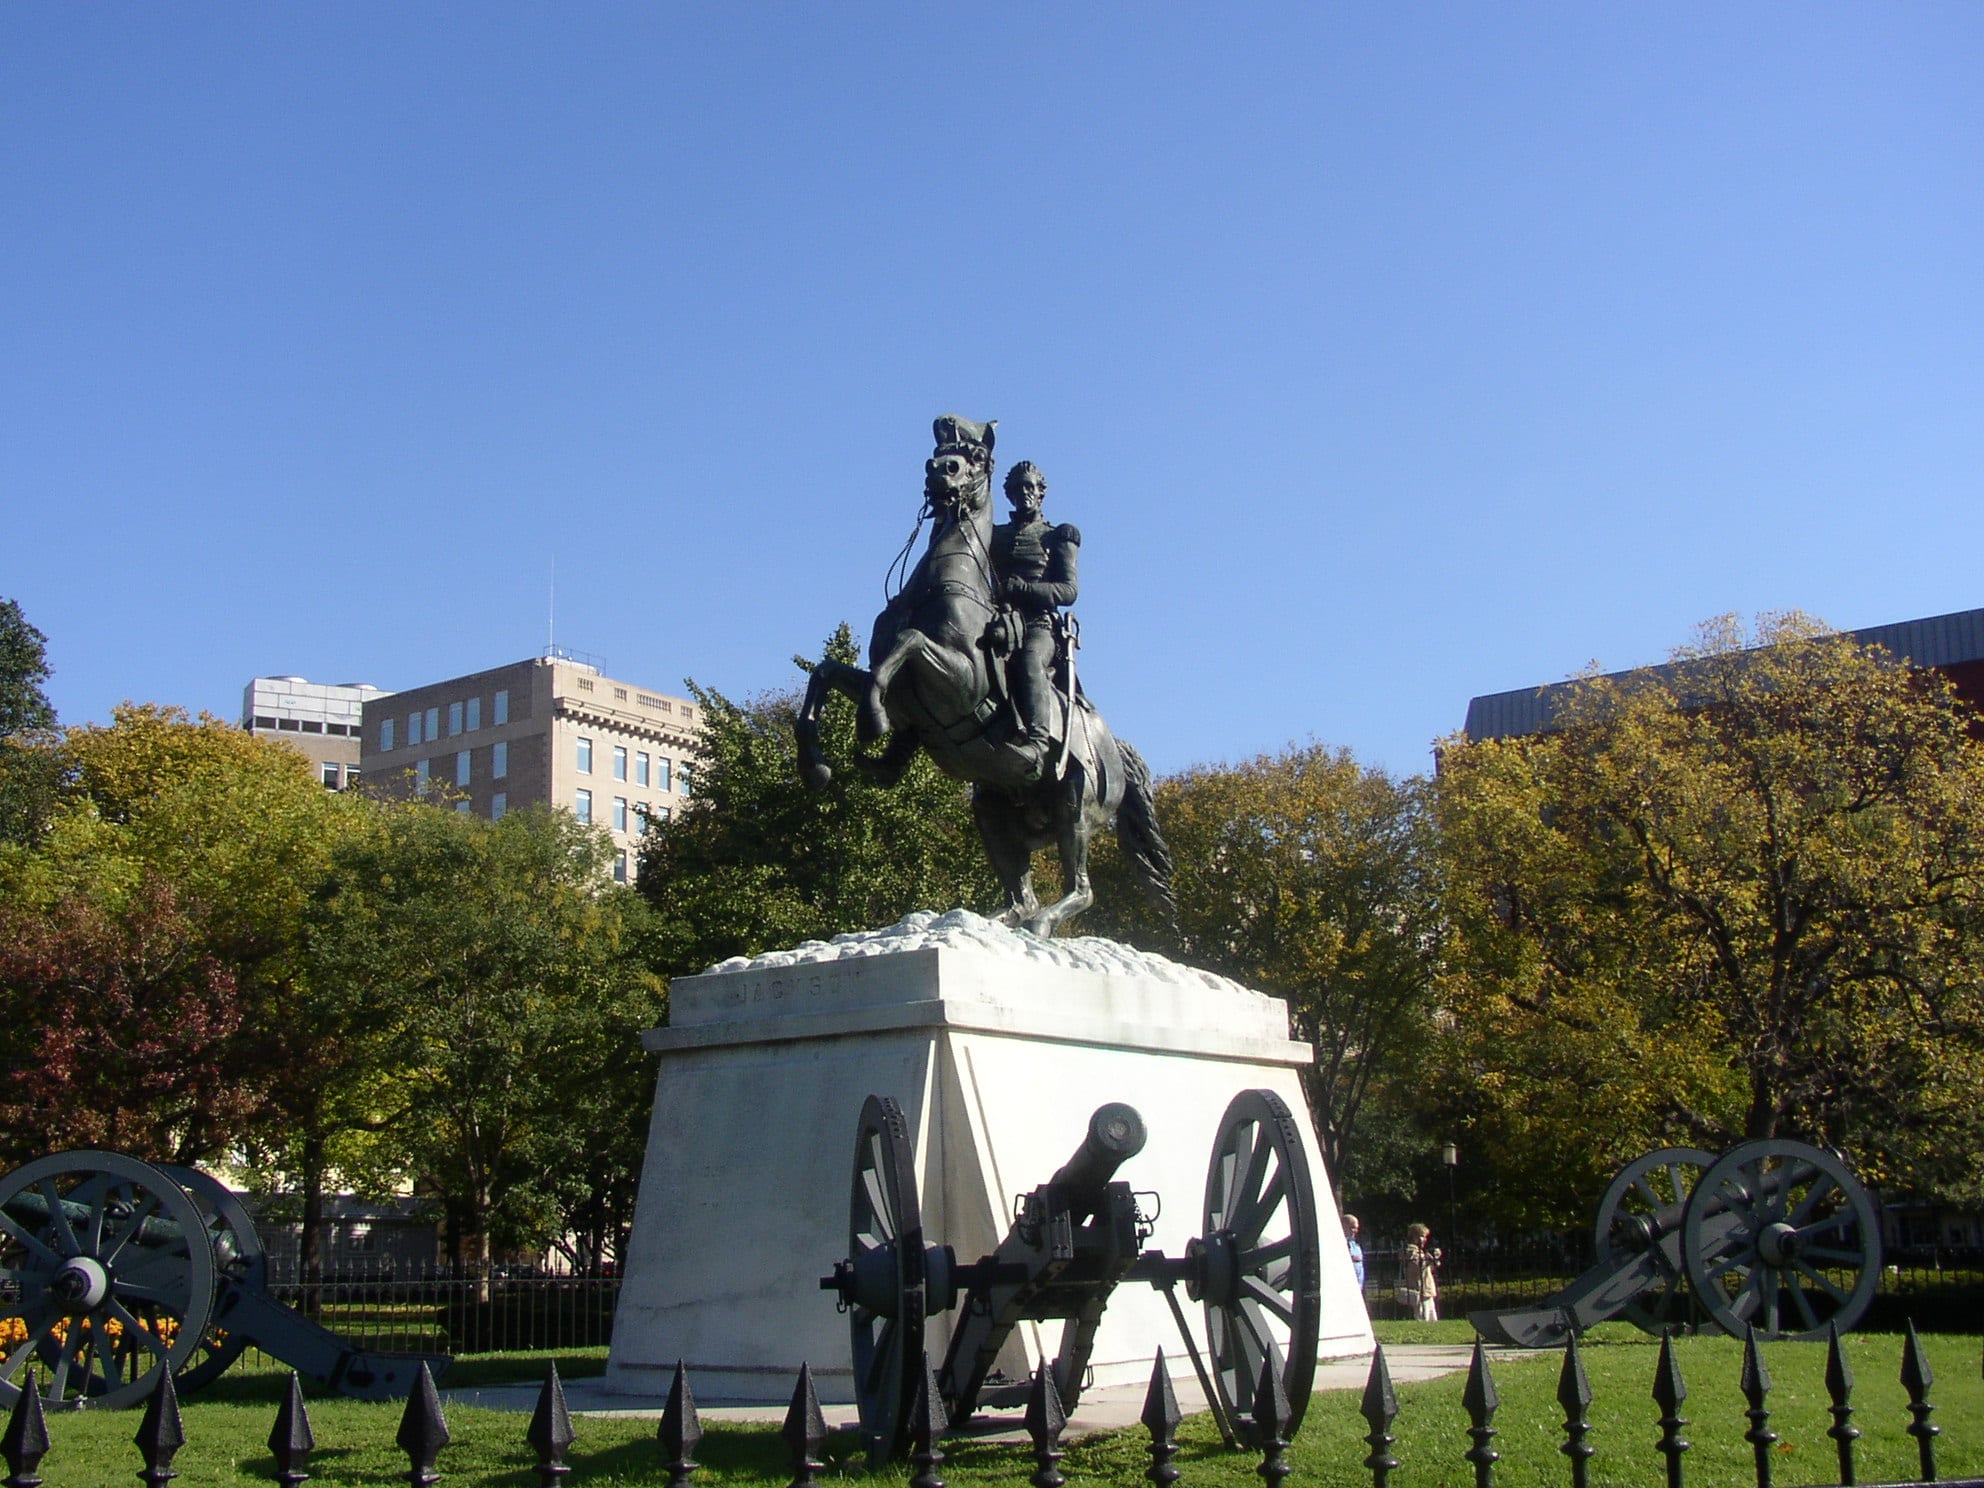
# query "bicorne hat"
(952, 431)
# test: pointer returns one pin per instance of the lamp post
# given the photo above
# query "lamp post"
(1450, 1155)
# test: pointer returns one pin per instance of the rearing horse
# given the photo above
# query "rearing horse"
(937, 683)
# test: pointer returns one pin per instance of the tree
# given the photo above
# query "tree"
(505, 979)
(758, 861)
(1742, 898)
(28, 774)
(1306, 875)
(123, 1030)
(154, 928)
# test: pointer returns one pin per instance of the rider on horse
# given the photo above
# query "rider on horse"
(1035, 564)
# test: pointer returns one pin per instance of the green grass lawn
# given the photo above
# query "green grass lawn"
(227, 1427)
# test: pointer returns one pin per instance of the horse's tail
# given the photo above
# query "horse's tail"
(1138, 836)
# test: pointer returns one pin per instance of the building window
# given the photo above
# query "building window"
(385, 735)
(620, 866)
(461, 808)
(498, 804)
(641, 768)
(682, 779)
(350, 776)
(499, 761)
(661, 772)
(661, 813)
(502, 706)
(619, 813)
(585, 756)
(454, 719)
(582, 806)
(412, 728)
(331, 776)
(619, 761)
(619, 694)
(420, 774)
(474, 714)
(433, 723)
(461, 768)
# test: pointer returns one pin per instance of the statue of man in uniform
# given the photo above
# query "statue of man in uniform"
(1035, 565)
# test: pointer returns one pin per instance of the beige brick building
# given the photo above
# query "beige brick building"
(319, 719)
(552, 729)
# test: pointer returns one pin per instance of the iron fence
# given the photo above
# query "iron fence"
(1945, 1285)
(423, 1431)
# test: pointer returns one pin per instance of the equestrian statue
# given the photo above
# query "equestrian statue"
(973, 661)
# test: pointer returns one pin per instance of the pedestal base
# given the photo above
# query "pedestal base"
(999, 1046)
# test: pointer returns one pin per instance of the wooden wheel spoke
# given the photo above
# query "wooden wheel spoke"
(38, 1333)
(58, 1221)
(1261, 1256)
(136, 1334)
(1257, 1211)
(1815, 1195)
(878, 1364)
(1266, 1295)
(878, 1202)
(58, 1382)
(35, 1245)
(1834, 1221)
(1821, 1280)
(1805, 1309)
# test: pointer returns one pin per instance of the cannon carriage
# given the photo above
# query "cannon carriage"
(1773, 1235)
(113, 1271)
(1255, 1268)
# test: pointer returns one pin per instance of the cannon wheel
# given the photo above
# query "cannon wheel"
(107, 1276)
(1803, 1253)
(238, 1257)
(885, 1245)
(1262, 1256)
(1661, 1179)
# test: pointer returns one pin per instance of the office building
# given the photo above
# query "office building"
(553, 730)
(1951, 644)
(321, 720)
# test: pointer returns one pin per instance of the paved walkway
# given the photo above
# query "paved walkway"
(1108, 1409)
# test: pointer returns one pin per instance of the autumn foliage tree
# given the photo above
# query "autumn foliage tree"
(1740, 898)
(1307, 875)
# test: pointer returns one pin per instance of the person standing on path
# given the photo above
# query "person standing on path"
(1418, 1281)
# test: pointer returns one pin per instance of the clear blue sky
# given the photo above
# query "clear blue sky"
(1385, 354)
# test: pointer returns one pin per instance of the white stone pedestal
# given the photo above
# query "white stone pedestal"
(999, 1046)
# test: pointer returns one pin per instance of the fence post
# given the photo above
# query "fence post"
(805, 1430)
(681, 1428)
(550, 1434)
(1271, 1417)
(927, 1420)
(1756, 1390)
(1379, 1408)
(423, 1430)
(161, 1433)
(1839, 1387)
(1574, 1395)
(1668, 1393)
(25, 1441)
(290, 1439)
(1161, 1417)
(1045, 1421)
(1481, 1400)
(1916, 1378)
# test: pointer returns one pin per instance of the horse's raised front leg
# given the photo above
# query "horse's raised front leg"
(887, 768)
(828, 676)
(945, 680)
(1072, 820)
(1001, 828)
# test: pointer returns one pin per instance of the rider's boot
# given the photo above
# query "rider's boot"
(1036, 753)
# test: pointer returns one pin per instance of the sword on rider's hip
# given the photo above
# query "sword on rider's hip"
(1071, 632)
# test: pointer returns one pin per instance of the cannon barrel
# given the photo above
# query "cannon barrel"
(1115, 1135)
(31, 1205)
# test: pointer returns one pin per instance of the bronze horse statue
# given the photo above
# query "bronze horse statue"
(937, 682)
